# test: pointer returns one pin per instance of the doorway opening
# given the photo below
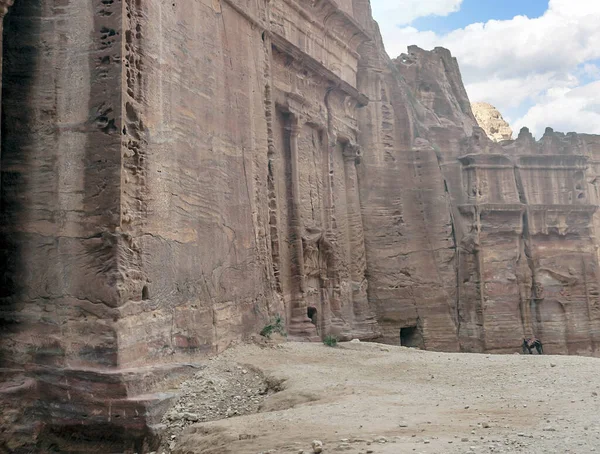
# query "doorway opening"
(410, 336)
(311, 312)
(145, 293)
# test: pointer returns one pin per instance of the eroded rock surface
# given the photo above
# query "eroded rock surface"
(174, 175)
(490, 119)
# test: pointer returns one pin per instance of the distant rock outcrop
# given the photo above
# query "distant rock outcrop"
(490, 119)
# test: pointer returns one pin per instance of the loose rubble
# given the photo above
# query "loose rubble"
(220, 390)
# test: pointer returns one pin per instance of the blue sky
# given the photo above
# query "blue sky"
(472, 11)
(537, 61)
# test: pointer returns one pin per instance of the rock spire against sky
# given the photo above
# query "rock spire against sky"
(537, 61)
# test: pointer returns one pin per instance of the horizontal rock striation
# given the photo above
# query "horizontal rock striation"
(176, 175)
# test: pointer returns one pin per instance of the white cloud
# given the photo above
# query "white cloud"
(512, 92)
(570, 110)
(517, 62)
(397, 39)
(403, 12)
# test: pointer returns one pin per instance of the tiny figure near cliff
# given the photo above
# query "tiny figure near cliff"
(532, 342)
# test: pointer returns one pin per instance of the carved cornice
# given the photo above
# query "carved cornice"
(485, 161)
(553, 162)
(328, 17)
(331, 12)
(589, 209)
(4, 5)
(473, 208)
(533, 161)
(283, 45)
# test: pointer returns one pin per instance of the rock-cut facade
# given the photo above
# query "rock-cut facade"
(175, 175)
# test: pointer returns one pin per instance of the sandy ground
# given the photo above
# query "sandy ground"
(369, 398)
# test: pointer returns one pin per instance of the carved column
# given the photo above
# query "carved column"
(300, 326)
(4, 5)
(358, 264)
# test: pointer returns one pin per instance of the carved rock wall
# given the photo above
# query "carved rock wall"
(408, 229)
(60, 189)
(517, 210)
(60, 210)
(176, 174)
(194, 180)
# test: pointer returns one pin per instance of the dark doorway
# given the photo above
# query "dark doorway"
(410, 336)
(311, 312)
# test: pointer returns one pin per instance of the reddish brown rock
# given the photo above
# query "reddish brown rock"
(176, 174)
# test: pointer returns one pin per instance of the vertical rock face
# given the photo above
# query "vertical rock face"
(491, 121)
(176, 174)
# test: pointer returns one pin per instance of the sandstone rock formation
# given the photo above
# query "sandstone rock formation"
(176, 174)
(491, 121)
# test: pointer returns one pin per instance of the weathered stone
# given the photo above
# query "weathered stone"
(174, 175)
(191, 417)
(490, 119)
(317, 446)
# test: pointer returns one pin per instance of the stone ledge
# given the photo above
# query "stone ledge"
(496, 207)
(564, 208)
(486, 161)
(552, 161)
(283, 45)
(116, 408)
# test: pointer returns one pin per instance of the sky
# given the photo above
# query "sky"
(537, 61)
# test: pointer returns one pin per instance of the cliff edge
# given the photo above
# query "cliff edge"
(490, 119)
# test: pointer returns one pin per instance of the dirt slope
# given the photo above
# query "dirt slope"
(369, 398)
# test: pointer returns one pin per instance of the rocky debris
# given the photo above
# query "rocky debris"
(491, 121)
(317, 446)
(220, 390)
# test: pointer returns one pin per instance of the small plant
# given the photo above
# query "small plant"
(276, 326)
(330, 341)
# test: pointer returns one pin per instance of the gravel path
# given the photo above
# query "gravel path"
(368, 398)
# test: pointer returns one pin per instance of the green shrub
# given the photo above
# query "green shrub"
(330, 341)
(276, 326)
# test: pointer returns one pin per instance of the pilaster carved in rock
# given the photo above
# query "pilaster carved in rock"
(364, 321)
(300, 326)
(4, 5)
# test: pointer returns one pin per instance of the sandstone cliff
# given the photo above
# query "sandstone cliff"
(491, 121)
(176, 174)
